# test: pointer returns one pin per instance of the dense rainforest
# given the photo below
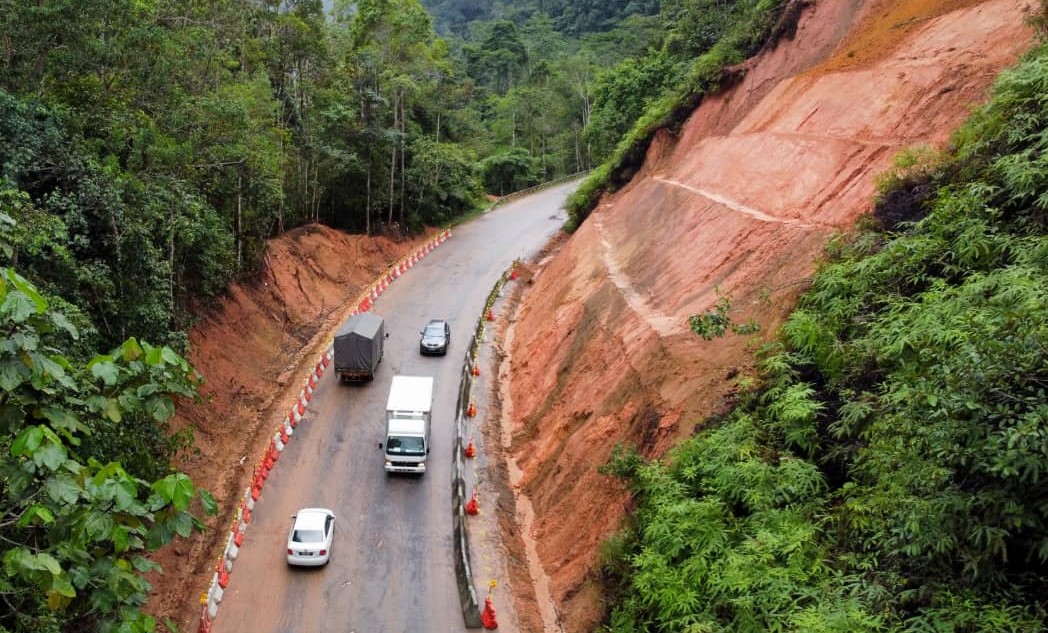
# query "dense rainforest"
(149, 148)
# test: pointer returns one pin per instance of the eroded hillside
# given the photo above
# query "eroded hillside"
(739, 203)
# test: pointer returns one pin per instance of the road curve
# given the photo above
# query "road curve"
(391, 569)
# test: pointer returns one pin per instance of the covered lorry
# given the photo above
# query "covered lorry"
(358, 346)
(407, 424)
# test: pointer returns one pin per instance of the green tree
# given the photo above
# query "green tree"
(499, 59)
(395, 40)
(512, 170)
(441, 181)
(621, 94)
(77, 522)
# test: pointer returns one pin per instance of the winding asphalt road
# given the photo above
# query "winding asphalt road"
(391, 569)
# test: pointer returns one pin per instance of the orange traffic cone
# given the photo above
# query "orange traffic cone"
(471, 505)
(487, 616)
(471, 450)
(513, 274)
(491, 315)
(476, 370)
(472, 410)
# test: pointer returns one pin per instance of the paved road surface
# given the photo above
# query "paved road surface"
(391, 569)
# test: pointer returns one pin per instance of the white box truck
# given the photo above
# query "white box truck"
(407, 424)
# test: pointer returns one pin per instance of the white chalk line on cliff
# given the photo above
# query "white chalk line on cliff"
(734, 206)
(662, 323)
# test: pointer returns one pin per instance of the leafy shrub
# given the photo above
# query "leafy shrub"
(77, 520)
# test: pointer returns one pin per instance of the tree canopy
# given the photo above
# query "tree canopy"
(159, 144)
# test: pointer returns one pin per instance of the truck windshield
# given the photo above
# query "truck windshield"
(405, 446)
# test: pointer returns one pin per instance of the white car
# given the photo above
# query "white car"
(309, 541)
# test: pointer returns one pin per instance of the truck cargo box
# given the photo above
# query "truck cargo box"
(358, 346)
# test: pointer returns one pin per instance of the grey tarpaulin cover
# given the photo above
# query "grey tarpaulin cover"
(358, 343)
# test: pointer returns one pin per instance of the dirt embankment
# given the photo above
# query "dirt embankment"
(740, 203)
(254, 348)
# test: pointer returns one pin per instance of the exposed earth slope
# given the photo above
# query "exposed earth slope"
(739, 203)
(253, 347)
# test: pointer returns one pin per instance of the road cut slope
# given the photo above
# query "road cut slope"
(739, 203)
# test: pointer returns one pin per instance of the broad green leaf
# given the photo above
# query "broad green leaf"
(98, 526)
(207, 500)
(63, 323)
(131, 350)
(121, 541)
(17, 307)
(107, 371)
(62, 419)
(182, 524)
(112, 469)
(113, 411)
(57, 600)
(29, 290)
(97, 404)
(51, 455)
(18, 560)
(154, 355)
(129, 401)
(126, 495)
(117, 487)
(34, 514)
(176, 489)
(13, 373)
(62, 586)
(160, 408)
(28, 441)
(144, 565)
(171, 356)
(63, 489)
(159, 535)
(48, 366)
(26, 341)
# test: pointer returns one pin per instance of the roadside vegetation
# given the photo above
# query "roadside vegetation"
(85, 489)
(886, 470)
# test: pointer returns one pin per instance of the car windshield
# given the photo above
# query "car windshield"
(405, 446)
(434, 329)
(307, 536)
